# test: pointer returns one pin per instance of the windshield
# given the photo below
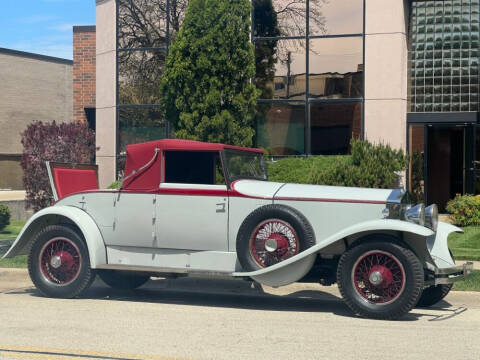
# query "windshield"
(245, 165)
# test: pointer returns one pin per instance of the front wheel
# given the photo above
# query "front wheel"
(58, 263)
(380, 280)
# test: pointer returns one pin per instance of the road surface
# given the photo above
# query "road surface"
(206, 319)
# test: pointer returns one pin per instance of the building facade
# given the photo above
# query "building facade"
(402, 72)
(84, 74)
(33, 88)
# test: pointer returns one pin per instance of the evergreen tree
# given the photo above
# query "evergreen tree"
(206, 87)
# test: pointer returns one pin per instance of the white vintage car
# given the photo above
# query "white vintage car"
(188, 207)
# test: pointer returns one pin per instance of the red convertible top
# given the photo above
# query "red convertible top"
(149, 153)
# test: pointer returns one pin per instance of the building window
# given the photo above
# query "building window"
(281, 128)
(444, 56)
(309, 56)
(307, 61)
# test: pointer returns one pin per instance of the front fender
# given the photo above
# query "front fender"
(296, 267)
(437, 245)
(55, 215)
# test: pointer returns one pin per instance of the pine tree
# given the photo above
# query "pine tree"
(206, 87)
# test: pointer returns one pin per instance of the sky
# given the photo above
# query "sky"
(43, 26)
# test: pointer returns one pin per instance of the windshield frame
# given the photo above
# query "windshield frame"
(226, 168)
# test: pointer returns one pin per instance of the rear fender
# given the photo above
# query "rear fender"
(60, 215)
(296, 267)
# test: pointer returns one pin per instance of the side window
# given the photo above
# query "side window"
(193, 167)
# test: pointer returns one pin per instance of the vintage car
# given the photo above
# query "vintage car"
(187, 207)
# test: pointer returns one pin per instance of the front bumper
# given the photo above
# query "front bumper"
(451, 274)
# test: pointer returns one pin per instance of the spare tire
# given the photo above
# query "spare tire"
(271, 234)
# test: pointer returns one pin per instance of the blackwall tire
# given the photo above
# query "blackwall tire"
(58, 262)
(280, 228)
(380, 280)
(433, 294)
(123, 280)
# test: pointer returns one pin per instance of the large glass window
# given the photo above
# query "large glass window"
(137, 124)
(139, 76)
(308, 54)
(333, 126)
(281, 129)
(308, 60)
(444, 59)
(144, 31)
(286, 77)
(336, 17)
(336, 68)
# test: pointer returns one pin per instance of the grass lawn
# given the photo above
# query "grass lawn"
(471, 283)
(466, 246)
(10, 233)
(12, 230)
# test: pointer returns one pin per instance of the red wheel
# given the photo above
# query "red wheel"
(272, 234)
(378, 277)
(272, 241)
(60, 261)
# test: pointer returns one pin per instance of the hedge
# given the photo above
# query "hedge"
(369, 165)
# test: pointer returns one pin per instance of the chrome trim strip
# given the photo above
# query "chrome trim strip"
(160, 270)
(52, 184)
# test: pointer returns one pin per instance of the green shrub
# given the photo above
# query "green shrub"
(303, 170)
(115, 185)
(371, 166)
(465, 210)
(4, 216)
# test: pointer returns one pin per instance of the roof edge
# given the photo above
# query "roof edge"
(34, 56)
(84, 28)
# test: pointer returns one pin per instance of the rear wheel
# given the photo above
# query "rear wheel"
(124, 280)
(433, 294)
(58, 263)
(380, 280)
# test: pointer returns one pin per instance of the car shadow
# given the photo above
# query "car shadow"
(240, 295)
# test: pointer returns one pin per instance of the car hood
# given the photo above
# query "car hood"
(283, 191)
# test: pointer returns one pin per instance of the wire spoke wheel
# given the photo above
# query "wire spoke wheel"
(378, 277)
(60, 261)
(273, 241)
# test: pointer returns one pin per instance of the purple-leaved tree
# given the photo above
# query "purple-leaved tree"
(65, 142)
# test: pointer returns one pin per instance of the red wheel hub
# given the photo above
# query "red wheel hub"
(60, 261)
(273, 241)
(378, 277)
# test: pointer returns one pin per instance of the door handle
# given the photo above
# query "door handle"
(220, 208)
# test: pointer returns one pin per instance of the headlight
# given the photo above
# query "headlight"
(431, 217)
(416, 214)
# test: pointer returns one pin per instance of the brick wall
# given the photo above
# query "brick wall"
(84, 70)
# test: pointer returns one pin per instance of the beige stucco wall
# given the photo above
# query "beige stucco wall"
(386, 60)
(31, 88)
(106, 91)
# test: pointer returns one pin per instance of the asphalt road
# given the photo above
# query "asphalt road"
(205, 319)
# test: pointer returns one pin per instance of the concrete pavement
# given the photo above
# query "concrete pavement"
(205, 319)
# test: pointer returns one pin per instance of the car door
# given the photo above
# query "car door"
(134, 224)
(192, 204)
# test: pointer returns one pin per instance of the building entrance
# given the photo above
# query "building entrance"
(445, 161)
